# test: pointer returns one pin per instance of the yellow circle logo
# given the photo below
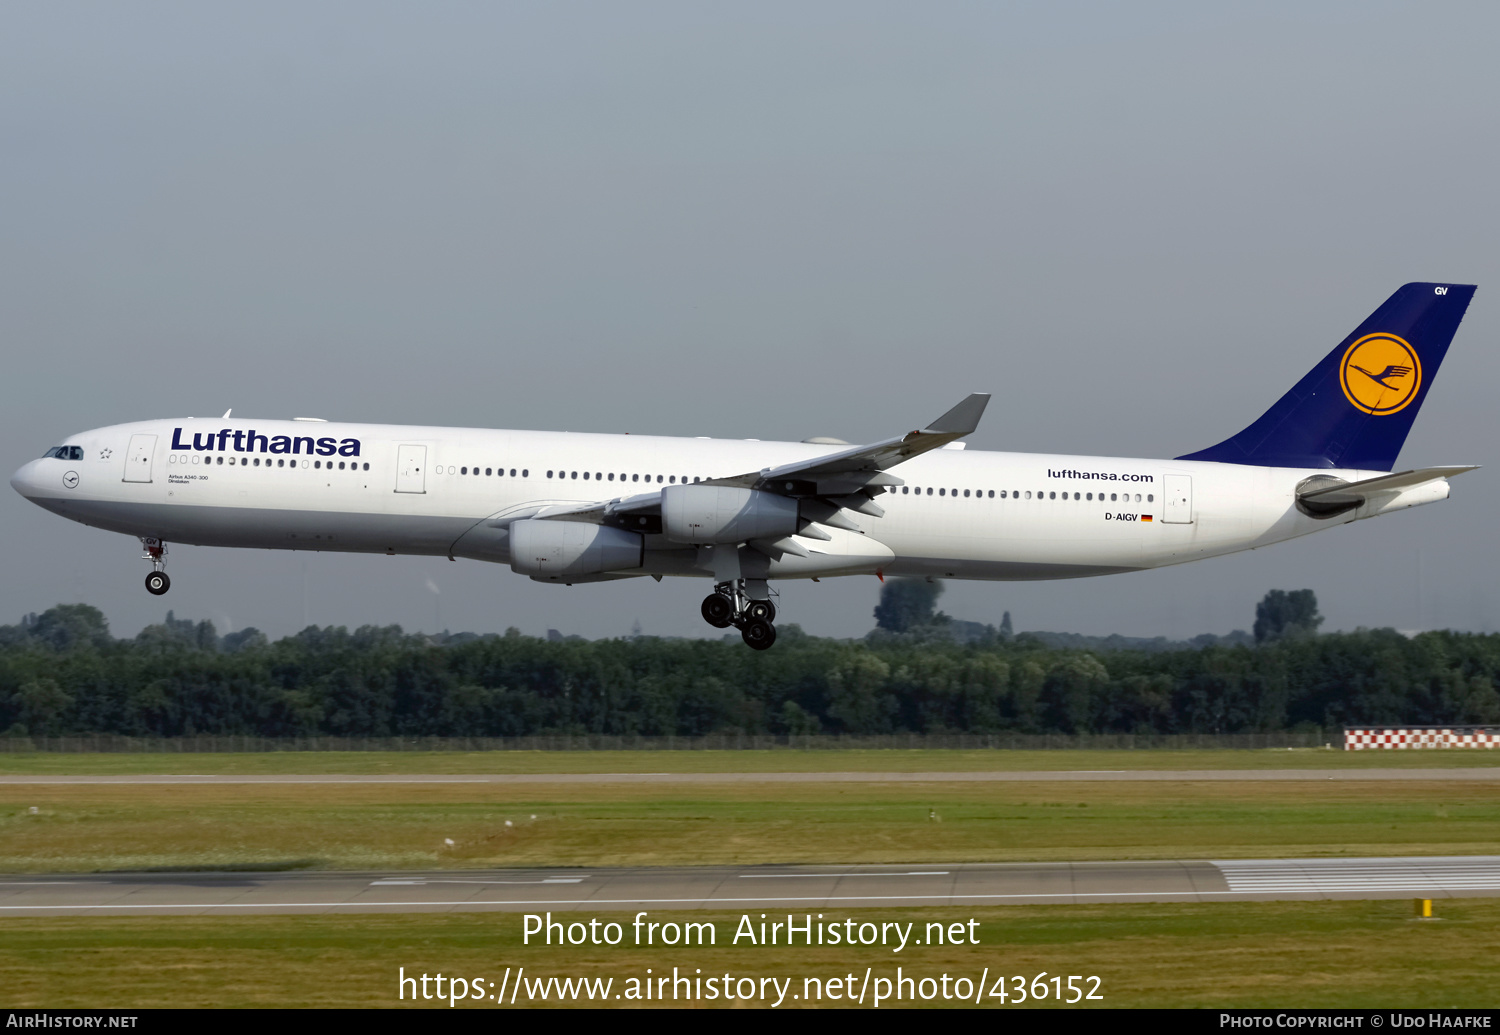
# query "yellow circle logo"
(1380, 374)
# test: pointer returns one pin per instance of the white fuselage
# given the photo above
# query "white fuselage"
(962, 514)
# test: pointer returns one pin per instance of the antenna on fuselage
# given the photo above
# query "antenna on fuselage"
(227, 413)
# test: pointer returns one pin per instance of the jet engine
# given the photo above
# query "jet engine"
(572, 548)
(716, 514)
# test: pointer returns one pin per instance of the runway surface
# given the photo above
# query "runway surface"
(1466, 774)
(797, 888)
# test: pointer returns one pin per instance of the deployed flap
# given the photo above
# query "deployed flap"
(1356, 492)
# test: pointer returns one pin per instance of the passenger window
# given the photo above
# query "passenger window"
(942, 492)
(1078, 495)
(905, 490)
(635, 477)
(1028, 494)
(367, 467)
(672, 480)
(549, 474)
(488, 471)
(525, 472)
(1149, 497)
(966, 494)
(929, 492)
(992, 494)
(1053, 496)
(585, 476)
(464, 471)
(575, 476)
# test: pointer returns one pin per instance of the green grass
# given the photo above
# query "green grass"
(1241, 954)
(775, 761)
(259, 826)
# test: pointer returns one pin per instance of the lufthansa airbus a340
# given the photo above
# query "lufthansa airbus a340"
(575, 508)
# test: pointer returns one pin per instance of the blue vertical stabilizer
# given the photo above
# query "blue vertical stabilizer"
(1355, 408)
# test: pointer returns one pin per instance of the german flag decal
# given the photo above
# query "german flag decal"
(1145, 517)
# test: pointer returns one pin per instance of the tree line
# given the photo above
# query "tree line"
(62, 673)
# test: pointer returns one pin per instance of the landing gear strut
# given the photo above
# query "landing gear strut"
(157, 582)
(729, 605)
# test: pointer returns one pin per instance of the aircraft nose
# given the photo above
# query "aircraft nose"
(24, 480)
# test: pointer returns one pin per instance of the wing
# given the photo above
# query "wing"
(860, 467)
(1393, 371)
(825, 486)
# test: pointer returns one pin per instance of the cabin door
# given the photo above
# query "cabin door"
(1178, 500)
(138, 458)
(411, 468)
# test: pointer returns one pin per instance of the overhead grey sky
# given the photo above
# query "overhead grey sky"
(1137, 225)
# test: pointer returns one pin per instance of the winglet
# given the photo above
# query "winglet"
(963, 418)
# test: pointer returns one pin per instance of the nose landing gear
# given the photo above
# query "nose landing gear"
(157, 582)
(729, 605)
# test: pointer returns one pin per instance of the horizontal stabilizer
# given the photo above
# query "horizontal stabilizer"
(1355, 493)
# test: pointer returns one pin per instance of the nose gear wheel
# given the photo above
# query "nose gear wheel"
(157, 582)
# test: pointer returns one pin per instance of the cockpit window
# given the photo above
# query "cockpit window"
(64, 453)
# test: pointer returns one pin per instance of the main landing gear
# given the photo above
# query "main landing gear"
(157, 582)
(728, 605)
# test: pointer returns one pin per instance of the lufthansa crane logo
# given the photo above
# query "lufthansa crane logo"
(1380, 374)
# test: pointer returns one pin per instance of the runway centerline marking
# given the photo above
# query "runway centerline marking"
(904, 873)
